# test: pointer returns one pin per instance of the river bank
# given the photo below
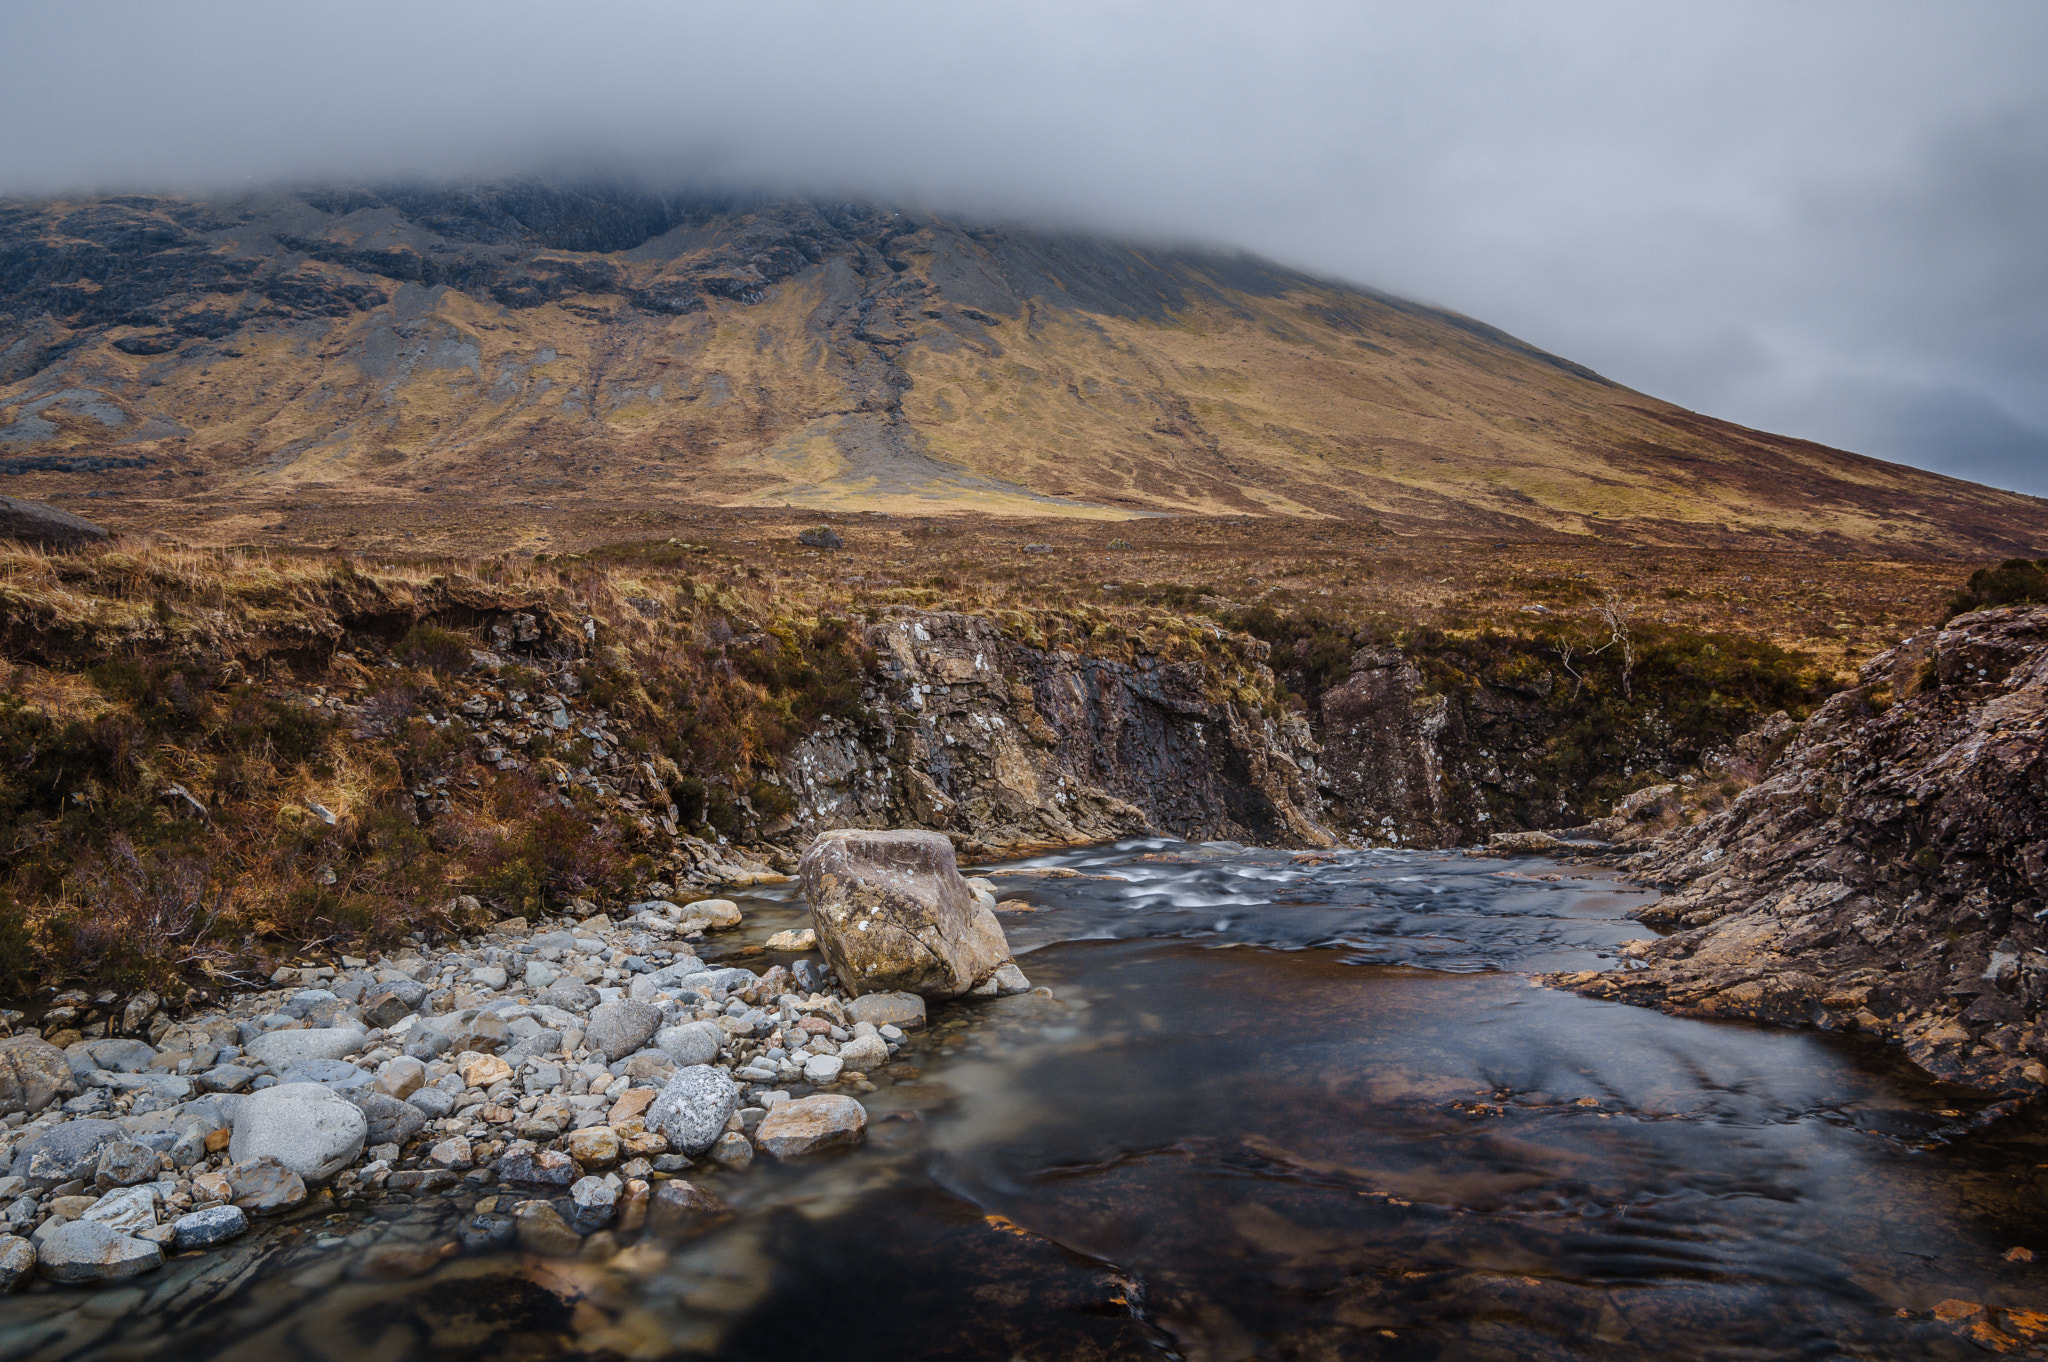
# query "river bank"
(1271, 1103)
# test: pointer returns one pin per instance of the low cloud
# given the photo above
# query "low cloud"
(1820, 218)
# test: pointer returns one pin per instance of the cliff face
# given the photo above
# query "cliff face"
(1010, 746)
(1889, 875)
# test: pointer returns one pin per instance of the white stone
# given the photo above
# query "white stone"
(128, 1210)
(282, 1049)
(304, 1126)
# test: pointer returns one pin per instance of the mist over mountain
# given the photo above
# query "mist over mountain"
(488, 353)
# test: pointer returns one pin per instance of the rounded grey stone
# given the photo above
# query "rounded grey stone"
(690, 1043)
(204, 1229)
(72, 1150)
(304, 1126)
(88, 1251)
(621, 1026)
(693, 1109)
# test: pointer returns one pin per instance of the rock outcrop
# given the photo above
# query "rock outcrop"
(32, 522)
(1889, 875)
(1005, 746)
(893, 914)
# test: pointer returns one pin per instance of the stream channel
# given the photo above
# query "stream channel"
(1273, 1110)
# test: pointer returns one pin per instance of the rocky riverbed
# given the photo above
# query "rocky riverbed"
(569, 1073)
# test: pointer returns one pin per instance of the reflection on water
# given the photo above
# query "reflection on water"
(1274, 1110)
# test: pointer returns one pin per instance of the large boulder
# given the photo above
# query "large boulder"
(32, 522)
(893, 914)
(33, 1074)
(309, 1129)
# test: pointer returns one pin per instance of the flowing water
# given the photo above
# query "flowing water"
(1273, 1110)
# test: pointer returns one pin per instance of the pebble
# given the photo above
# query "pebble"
(204, 1229)
(17, 1261)
(676, 1208)
(593, 1202)
(539, 1228)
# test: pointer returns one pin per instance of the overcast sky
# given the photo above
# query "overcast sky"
(1827, 219)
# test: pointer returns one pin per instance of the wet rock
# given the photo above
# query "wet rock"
(129, 1210)
(1004, 983)
(282, 1049)
(811, 1125)
(123, 1163)
(805, 939)
(719, 913)
(488, 1230)
(690, 1043)
(633, 1203)
(263, 1186)
(17, 1262)
(390, 1121)
(69, 1152)
(893, 914)
(33, 1073)
(306, 1127)
(732, 1151)
(903, 1010)
(526, 1166)
(694, 1107)
(620, 1027)
(204, 1229)
(592, 1203)
(87, 1251)
(1887, 874)
(676, 1208)
(423, 1180)
(541, 1229)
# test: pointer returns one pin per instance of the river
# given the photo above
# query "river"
(1276, 1108)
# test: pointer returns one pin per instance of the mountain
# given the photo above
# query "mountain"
(487, 356)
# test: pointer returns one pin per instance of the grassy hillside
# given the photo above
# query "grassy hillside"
(486, 367)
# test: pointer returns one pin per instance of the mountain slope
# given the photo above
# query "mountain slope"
(501, 353)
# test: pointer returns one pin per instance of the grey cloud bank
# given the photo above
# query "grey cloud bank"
(1823, 219)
